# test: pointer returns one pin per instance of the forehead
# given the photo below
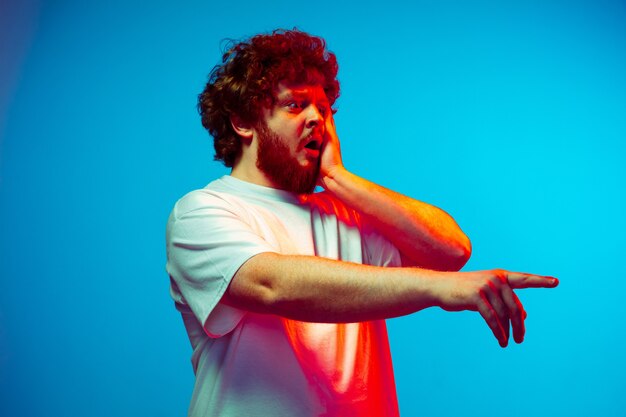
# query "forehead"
(314, 92)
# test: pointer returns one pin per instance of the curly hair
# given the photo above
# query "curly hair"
(249, 74)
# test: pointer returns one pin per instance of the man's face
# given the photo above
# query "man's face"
(290, 137)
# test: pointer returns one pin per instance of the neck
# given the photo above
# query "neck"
(245, 169)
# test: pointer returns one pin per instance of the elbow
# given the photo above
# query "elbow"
(252, 288)
(463, 254)
(266, 296)
(255, 296)
(456, 257)
(451, 257)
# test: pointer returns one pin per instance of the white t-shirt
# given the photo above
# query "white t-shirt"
(249, 364)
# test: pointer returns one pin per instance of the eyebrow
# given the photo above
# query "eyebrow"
(301, 93)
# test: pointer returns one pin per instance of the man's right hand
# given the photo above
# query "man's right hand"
(331, 151)
(491, 294)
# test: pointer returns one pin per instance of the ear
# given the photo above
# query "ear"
(242, 129)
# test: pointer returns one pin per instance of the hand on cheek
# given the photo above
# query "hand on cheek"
(331, 152)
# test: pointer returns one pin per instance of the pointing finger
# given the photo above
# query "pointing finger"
(522, 280)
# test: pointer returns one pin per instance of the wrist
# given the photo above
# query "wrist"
(432, 286)
(332, 177)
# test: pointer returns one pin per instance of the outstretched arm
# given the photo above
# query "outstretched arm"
(315, 289)
(425, 235)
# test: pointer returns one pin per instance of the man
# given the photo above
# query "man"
(283, 291)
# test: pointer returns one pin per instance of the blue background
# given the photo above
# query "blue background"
(509, 115)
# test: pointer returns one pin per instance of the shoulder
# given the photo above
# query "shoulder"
(206, 214)
(215, 196)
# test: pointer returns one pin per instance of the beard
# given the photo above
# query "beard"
(276, 162)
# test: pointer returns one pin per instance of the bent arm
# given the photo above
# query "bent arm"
(425, 235)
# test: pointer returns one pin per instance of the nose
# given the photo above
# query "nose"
(314, 117)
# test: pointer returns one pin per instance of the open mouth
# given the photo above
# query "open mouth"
(314, 144)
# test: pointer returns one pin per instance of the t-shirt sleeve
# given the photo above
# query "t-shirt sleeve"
(207, 242)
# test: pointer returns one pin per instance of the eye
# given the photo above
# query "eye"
(294, 105)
